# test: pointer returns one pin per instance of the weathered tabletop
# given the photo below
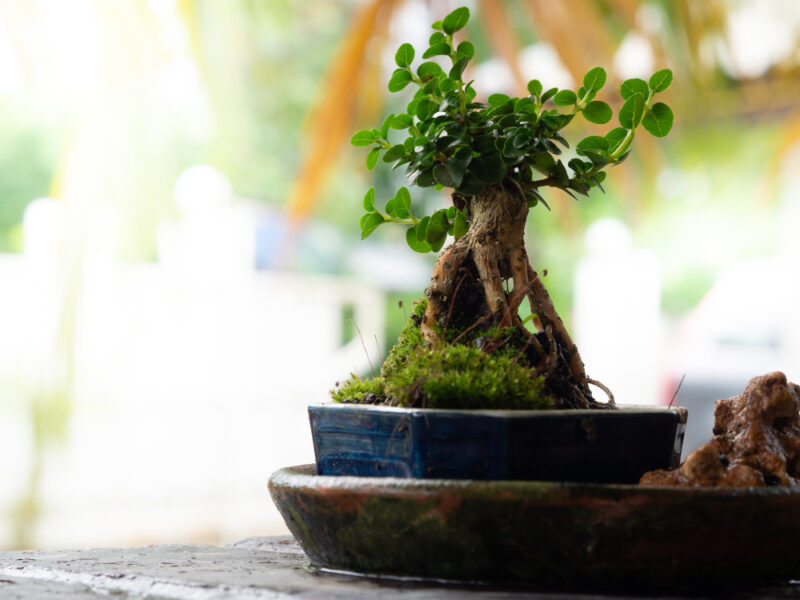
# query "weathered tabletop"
(254, 568)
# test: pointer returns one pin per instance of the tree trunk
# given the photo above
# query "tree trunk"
(467, 292)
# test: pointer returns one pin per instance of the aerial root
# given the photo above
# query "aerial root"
(547, 314)
(519, 272)
(611, 403)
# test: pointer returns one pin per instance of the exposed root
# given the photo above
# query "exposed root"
(453, 302)
(548, 316)
(489, 272)
(519, 272)
(441, 287)
(471, 327)
(606, 391)
(467, 291)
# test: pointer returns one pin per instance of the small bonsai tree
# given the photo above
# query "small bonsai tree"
(466, 339)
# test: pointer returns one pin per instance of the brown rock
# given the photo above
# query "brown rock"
(756, 440)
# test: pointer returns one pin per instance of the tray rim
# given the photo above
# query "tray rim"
(305, 476)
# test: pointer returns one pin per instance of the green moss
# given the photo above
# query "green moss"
(357, 390)
(408, 343)
(460, 375)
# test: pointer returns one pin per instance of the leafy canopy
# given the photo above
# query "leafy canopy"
(452, 141)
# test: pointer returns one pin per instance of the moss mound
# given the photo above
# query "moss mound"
(457, 375)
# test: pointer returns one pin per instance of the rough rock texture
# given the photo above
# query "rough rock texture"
(756, 440)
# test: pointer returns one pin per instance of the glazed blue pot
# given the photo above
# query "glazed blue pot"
(599, 446)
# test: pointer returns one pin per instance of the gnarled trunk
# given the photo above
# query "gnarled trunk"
(467, 291)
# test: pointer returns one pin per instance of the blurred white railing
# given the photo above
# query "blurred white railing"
(188, 390)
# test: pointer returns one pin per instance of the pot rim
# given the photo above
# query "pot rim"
(622, 409)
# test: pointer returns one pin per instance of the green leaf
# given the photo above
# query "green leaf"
(394, 153)
(391, 207)
(449, 174)
(660, 80)
(402, 206)
(437, 245)
(431, 88)
(402, 121)
(462, 158)
(560, 171)
(437, 227)
(470, 92)
(615, 137)
(579, 186)
(447, 85)
(497, 99)
(369, 224)
(399, 80)
(488, 168)
(631, 112)
(455, 20)
(658, 120)
(535, 87)
(404, 55)
(595, 148)
(597, 111)
(548, 94)
(369, 200)
(577, 165)
(524, 137)
(634, 86)
(470, 185)
(512, 150)
(458, 69)
(414, 242)
(524, 104)
(565, 98)
(436, 25)
(557, 121)
(592, 143)
(364, 137)
(428, 69)
(595, 79)
(425, 178)
(426, 108)
(387, 122)
(372, 157)
(484, 144)
(466, 49)
(460, 226)
(598, 179)
(437, 50)
(422, 227)
(544, 163)
(437, 37)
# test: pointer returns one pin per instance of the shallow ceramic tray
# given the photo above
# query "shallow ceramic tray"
(543, 533)
(599, 446)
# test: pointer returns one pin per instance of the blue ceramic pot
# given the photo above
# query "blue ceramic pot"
(601, 446)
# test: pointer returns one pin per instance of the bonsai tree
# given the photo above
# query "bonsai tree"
(466, 344)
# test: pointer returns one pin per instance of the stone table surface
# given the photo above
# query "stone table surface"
(255, 568)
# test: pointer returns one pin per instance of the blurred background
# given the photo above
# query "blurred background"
(180, 264)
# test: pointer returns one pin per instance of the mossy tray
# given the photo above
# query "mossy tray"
(600, 446)
(543, 533)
